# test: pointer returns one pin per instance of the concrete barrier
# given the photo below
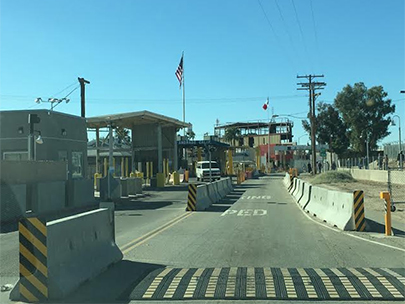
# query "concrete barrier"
(83, 193)
(134, 185)
(331, 206)
(210, 193)
(79, 248)
(334, 207)
(12, 201)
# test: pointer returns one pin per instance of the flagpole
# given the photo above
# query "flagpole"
(184, 99)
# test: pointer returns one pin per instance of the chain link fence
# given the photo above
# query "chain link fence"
(396, 185)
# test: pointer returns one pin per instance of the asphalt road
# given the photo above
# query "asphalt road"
(255, 236)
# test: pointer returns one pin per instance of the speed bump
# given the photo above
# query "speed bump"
(33, 284)
(192, 197)
(359, 216)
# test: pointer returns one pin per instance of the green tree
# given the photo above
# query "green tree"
(123, 135)
(365, 112)
(330, 128)
(232, 135)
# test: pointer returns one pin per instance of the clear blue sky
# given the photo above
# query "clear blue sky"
(234, 58)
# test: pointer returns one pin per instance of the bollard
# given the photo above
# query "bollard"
(385, 195)
(186, 176)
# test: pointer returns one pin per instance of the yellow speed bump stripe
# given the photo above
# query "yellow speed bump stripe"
(348, 284)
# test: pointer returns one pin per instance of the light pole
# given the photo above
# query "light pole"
(399, 135)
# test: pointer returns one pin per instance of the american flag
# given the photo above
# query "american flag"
(179, 71)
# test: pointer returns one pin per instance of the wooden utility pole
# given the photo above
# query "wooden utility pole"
(311, 86)
(83, 82)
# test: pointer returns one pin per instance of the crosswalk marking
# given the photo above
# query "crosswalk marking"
(212, 284)
(272, 283)
(231, 284)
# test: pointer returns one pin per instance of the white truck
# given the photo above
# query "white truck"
(203, 171)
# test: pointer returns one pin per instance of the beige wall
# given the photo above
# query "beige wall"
(22, 172)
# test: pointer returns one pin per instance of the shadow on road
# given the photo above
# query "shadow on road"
(373, 226)
(128, 204)
(249, 186)
(183, 187)
(115, 285)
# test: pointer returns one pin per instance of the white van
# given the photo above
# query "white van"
(203, 171)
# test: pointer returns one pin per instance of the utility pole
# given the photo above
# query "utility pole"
(312, 86)
(83, 82)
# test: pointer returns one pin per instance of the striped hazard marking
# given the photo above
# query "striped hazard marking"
(33, 283)
(192, 197)
(272, 283)
(359, 216)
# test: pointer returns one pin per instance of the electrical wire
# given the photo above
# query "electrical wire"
(302, 33)
(69, 86)
(277, 37)
(72, 91)
(315, 33)
(286, 28)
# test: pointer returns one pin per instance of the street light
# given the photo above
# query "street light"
(53, 101)
(399, 134)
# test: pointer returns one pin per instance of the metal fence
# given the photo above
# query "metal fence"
(396, 185)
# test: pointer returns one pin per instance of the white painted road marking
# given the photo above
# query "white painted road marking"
(245, 212)
(260, 197)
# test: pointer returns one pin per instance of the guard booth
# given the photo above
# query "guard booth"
(198, 150)
(152, 143)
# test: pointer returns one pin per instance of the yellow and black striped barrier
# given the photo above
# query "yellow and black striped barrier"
(359, 216)
(192, 197)
(33, 284)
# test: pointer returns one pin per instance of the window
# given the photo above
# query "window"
(264, 140)
(77, 164)
(20, 155)
(62, 155)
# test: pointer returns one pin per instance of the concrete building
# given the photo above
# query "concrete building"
(63, 137)
(43, 164)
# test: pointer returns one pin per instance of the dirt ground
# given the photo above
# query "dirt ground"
(372, 194)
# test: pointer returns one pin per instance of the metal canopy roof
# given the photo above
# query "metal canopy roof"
(127, 120)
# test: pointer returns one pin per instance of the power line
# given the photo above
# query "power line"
(275, 35)
(315, 32)
(302, 33)
(286, 28)
(69, 86)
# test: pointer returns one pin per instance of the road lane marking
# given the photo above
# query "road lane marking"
(252, 197)
(245, 212)
(139, 241)
(306, 280)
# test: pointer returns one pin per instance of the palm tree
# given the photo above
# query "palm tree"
(232, 135)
